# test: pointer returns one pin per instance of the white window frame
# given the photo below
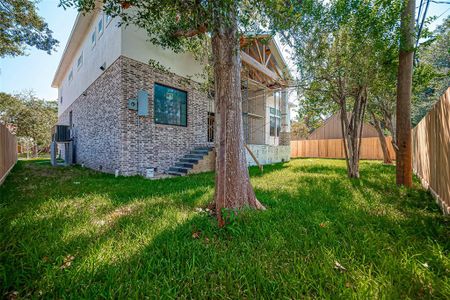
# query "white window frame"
(277, 116)
(80, 57)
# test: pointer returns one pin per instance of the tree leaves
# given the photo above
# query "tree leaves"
(22, 26)
(33, 117)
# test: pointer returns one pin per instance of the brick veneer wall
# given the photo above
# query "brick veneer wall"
(94, 115)
(146, 144)
(108, 136)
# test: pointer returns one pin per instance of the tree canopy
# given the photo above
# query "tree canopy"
(22, 26)
(432, 72)
(32, 117)
(342, 50)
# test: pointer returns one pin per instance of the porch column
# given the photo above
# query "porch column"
(285, 134)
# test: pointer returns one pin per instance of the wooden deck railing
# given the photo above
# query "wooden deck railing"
(8, 152)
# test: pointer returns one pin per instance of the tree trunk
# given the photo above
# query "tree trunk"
(404, 90)
(386, 157)
(351, 132)
(233, 187)
(390, 127)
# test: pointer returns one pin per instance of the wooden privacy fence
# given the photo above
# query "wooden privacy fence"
(334, 148)
(431, 151)
(8, 152)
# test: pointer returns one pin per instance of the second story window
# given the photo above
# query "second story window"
(80, 60)
(93, 38)
(108, 19)
(100, 26)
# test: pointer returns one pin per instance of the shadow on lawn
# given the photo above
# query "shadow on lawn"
(279, 252)
(288, 250)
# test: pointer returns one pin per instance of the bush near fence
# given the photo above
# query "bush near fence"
(431, 151)
(334, 148)
(8, 152)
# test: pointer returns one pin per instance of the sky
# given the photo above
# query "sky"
(36, 70)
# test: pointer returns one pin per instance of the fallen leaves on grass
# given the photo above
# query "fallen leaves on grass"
(12, 295)
(67, 261)
(196, 234)
(339, 267)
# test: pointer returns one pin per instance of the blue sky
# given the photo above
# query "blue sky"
(35, 71)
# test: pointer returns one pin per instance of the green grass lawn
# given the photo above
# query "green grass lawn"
(76, 233)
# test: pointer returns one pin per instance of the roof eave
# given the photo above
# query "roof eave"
(81, 25)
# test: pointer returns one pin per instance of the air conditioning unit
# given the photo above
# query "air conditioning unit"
(62, 133)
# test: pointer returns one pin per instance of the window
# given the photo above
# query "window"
(80, 60)
(170, 106)
(108, 19)
(61, 100)
(100, 26)
(93, 38)
(272, 125)
(275, 121)
(71, 75)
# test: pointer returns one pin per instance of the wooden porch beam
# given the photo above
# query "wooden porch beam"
(259, 52)
(268, 59)
(259, 66)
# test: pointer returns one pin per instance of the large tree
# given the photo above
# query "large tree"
(404, 90)
(178, 24)
(21, 26)
(336, 45)
(31, 117)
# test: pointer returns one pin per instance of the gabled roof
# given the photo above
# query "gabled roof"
(264, 60)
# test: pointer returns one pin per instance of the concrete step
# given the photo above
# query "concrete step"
(199, 152)
(179, 169)
(204, 148)
(189, 160)
(194, 156)
(184, 164)
(175, 173)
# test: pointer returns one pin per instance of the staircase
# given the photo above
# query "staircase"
(190, 163)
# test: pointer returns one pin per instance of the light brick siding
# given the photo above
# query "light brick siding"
(109, 135)
(95, 116)
(147, 144)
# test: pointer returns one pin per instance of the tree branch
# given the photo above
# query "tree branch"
(191, 32)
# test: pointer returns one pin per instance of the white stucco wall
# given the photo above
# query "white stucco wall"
(135, 45)
(106, 50)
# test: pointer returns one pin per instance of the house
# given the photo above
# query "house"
(134, 107)
(332, 129)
